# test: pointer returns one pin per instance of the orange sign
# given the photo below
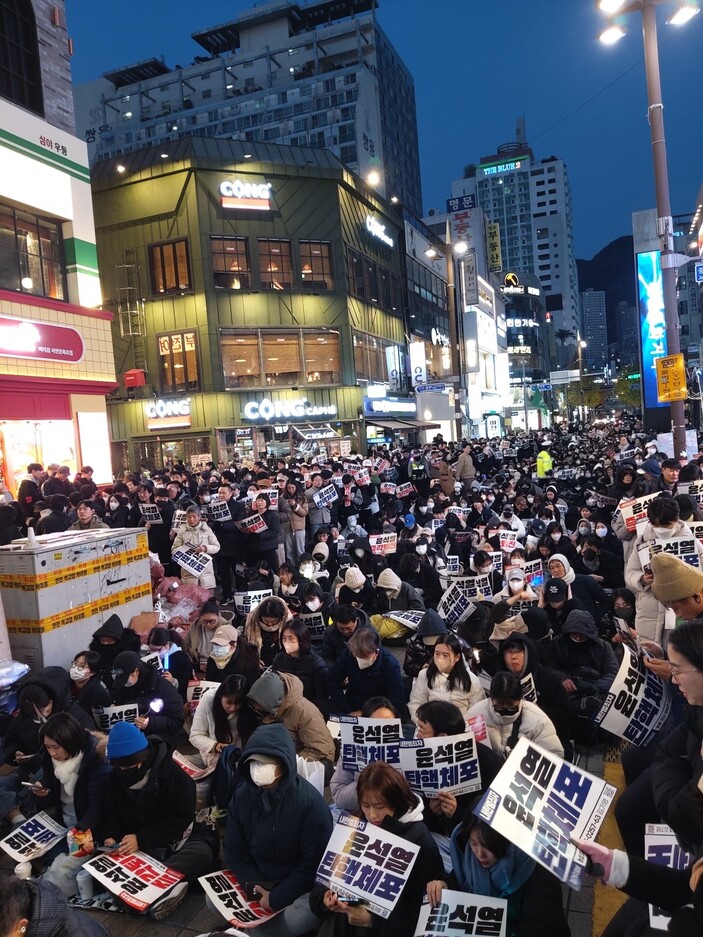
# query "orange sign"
(671, 378)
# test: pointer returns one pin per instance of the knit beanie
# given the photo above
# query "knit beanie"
(267, 692)
(673, 579)
(125, 739)
(354, 578)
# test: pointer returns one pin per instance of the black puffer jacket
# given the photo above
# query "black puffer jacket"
(417, 653)
(334, 643)
(125, 640)
(591, 664)
(167, 721)
(50, 914)
(677, 770)
(311, 670)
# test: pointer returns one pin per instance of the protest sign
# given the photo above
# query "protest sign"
(154, 661)
(218, 511)
(254, 524)
(692, 489)
(684, 548)
(461, 914)
(230, 900)
(458, 510)
(455, 606)
(634, 510)
(195, 563)
(565, 473)
(383, 544)
(106, 716)
(508, 453)
(367, 862)
(361, 476)
(325, 496)
(529, 690)
(539, 802)
(138, 880)
(380, 465)
(696, 528)
(477, 588)
(405, 490)
(192, 770)
(661, 847)
(533, 570)
(245, 602)
(197, 688)
(179, 518)
(460, 536)
(411, 618)
(453, 566)
(366, 740)
(637, 704)
(151, 514)
(448, 763)
(477, 725)
(33, 838)
(273, 494)
(315, 623)
(497, 561)
(388, 488)
(626, 454)
(507, 540)
(625, 632)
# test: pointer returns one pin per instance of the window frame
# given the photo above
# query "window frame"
(301, 334)
(173, 245)
(326, 280)
(187, 385)
(288, 286)
(44, 231)
(239, 241)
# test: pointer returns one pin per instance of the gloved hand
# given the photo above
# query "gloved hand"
(601, 858)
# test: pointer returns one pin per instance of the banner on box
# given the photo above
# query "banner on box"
(638, 702)
(367, 862)
(245, 602)
(33, 838)
(460, 914)
(230, 900)
(366, 740)
(138, 880)
(106, 716)
(448, 763)
(661, 847)
(151, 513)
(539, 802)
(325, 496)
(194, 562)
(383, 544)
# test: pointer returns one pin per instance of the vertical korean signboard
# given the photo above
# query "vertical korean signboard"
(495, 258)
(650, 294)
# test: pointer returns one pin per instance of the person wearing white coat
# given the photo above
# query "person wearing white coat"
(445, 678)
(508, 716)
(197, 537)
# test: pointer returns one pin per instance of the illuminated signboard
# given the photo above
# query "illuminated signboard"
(493, 169)
(254, 196)
(650, 294)
(389, 406)
(167, 414)
(296, 409)
(42, 341)
(377, 231)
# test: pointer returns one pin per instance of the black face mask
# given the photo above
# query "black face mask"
(627, 614)
(590, 556)
(506, 712)
(131, 776)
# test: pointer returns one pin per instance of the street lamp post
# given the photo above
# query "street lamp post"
(665, 229)
(580, 344)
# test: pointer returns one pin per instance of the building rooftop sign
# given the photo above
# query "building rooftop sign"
(250, 196)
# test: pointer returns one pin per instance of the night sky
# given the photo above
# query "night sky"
(478, 65)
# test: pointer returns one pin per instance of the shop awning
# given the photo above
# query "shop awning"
(400, 425)
(308, 432)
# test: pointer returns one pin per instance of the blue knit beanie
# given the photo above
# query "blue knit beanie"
(125, 739)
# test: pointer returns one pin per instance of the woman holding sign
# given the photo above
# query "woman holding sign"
(447, 678)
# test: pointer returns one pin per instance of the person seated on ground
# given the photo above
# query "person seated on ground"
(589, 593)
(290, 585)
(422, 577)
(347, 620)
(198, 641)
(177, 665)
(508, 716)
(486, 863)
(277, 830)
(604, 567)
(343, 781)
(222, 725)
(34, 907)
(394, 595)
(149, 806)
(278, 697)
(87, 689)
(263, 627)
(446, 678)
(385, 801)
(678, 586)
(365, 669)
(298, 658)
(313, 571)
(231, 654)
(622, 605)
(160, 704)
(504, 621)
(586, 666)
(357, 590)
(420, 647)
(108, 641)
(557, 603)
(314, 601)
(74, 773)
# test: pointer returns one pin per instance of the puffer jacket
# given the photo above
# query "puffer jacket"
(268, 643)
(534, 725)
(194, 642)
(422, 692)
(677, 770)
(292, 518)
(591, 664)
(276, 835)
(200, 536)
(50, 914)
(304, 721)
(125, 640)
(350, 686)
(417, 653)
(404, 597)
(202, 733)
(649, 612)
(167, 722)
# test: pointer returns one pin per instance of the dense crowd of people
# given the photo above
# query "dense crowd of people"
(348, 565)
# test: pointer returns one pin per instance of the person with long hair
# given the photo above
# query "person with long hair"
(446, 677)
(177, 665)
(386, 801)
(263, 627)
(293, 511)
(298, 658)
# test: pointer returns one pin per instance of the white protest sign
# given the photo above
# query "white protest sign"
(533, 570)
(272, 496)
(497, 561)
(458, 510)
(453, 565)
(529, 690)
(198, 688)
(507, 540)
(388, 488)
(684, 548)
(405, 490)
(138, 880)
(219, 511)
(449, 763)
(254, 524)
(33, 838)
(411, 618)
(461, 914)
(245, 602)
(230, 900)
(179, 518)
(638, 702)
(325, 496)
(477, 725)
(455, 606)
(692, 489)
(193, 562)
(361, 476)
(383, 544)
(154, 661)
(539, 802)
(106, 716)
(150, 513)
(367, 862)
(635, 509)
(315, 623)
(365, 740)
(696, 528)
(661, 847)
(380, 464)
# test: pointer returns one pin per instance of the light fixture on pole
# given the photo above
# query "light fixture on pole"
(665, 230)
(580, 344)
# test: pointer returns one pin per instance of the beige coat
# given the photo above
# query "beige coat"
(304, 721)
(464, 467)
(193, 537)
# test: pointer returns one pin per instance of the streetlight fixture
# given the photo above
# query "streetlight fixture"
(580, 344)
(665, 228)
(374, 178)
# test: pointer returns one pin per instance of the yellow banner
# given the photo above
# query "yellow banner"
(671, 378)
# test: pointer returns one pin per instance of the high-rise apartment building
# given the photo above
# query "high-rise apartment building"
(595, 329)
(322, 74)
(530, 201)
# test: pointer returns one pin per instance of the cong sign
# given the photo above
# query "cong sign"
(296, 409)
(254, 196)
(167, 414)
(42, 341)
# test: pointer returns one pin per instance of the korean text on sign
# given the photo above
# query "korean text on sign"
(106, 716)
(638, 702)
(33, 838)
(366, 740)
(230, 900)
(138, 880)
(661, 847)
(460, 914)
(448, 763)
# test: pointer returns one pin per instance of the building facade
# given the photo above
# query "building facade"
(56, 357)
(257, 295)
(595, 329)
(322, 75)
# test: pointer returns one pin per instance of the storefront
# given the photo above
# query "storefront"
(393, 419)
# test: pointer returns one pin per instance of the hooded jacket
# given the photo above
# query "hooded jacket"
(268, 643)
(125, 640)
(368, 562)
(590, 664)
(584, 589)
(166, 722)
(28, 494)
(534, 725)
(304, 721)
(88, 794)
(417, 653)
(199, 536)
(404, 596)
(382, 678)
(50, 914)
(276, 835)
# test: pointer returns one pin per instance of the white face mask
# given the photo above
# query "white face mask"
(430, 505)
(306, 571)
(421, 549)
(78, 673)
(530, 499)
(220, 650)
(663, 533)
(516, 585)
(313, 604)
(114, 505)
(359, 553)
(486, 570)
(583, 530)
(206, 499)
(365, 662)
(423, 510)
(262, 774)
(601, 531)
(556, 537)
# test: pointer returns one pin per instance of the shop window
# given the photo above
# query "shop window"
(371, 359)
(178, 362)
(20, 66)
(282, 361)
(371, 281)
(31, 254)
(322, 358)
(275, 264)
(268, 358)
(230, 263)
(241, 361)
(316, 265)
(169, 267)
(355, 273)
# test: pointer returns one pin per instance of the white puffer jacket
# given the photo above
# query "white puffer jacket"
(202, 733)
(199, 536)
(422, 693)
(534, 724)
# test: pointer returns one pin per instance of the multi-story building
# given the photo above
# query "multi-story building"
(56, 357)
(321, 74)
(257, 295)
(595, 329)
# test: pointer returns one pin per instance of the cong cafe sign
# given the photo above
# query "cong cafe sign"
(167, 414)
(250, 196)
(296, 408)
(377, 231)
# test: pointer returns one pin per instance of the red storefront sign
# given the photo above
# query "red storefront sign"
(43, 341)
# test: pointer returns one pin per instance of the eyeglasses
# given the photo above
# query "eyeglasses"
(677, 672)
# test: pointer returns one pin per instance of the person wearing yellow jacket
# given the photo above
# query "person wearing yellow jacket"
(545, 463)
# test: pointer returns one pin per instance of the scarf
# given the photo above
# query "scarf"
(66, 772)
(569, 575)
(503, 879)
(221, 662)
